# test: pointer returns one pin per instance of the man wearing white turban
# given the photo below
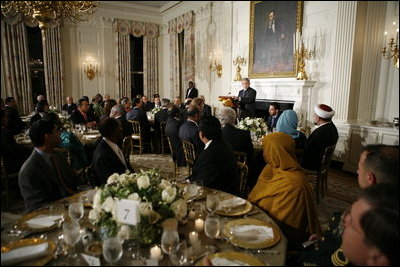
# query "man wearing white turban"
(323, 136)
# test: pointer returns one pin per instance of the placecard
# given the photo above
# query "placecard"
(128, 211)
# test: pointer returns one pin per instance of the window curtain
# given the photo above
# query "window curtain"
(150, 32)
(185, 23)
(15, 65)
(53, 71)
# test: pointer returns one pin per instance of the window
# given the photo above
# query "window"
(136, 46)
(35, 50)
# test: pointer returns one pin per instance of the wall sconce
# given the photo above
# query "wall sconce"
(90, 68)
(238, 61)
(215, 64)
(393, 50)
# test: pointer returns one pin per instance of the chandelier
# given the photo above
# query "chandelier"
(49, 13)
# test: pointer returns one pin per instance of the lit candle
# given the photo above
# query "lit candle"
(193, 237)
(384, 40)
(155, 253)
(397, 36)
(199, 225)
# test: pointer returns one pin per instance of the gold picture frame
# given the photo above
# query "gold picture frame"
(273, 25)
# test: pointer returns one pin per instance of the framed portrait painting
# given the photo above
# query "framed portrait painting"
(273, 26)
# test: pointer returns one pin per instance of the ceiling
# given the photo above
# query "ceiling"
(157, 4)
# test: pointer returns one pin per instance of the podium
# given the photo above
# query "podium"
(229, 101)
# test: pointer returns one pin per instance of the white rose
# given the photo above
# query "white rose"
(124, 232)
(94, 215)
(179, 208)
(113, 178)
(145, 208)
(96, 199)
(143, 182)
(134, 196)
(168, 194)
(164, 184)
(108, 204)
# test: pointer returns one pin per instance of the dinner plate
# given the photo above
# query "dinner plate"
(235, 211)
(248, 243)
(29, 242)
(237, 258)
(22, 222)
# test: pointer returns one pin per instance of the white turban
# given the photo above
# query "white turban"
(324, 111)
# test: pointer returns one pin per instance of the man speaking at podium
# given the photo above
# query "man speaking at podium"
(247, 99)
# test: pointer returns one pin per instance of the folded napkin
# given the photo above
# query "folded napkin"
(41, 221)
(93, 132)
(232, 203)
(22, 254)
(91, 136)
(217, 261)
(252, 233)
(192, 190)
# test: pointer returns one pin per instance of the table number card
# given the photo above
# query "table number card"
(92, 261)
(128, 211)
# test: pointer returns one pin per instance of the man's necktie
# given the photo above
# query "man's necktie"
(56, 167)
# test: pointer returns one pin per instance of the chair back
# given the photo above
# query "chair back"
(190, 154)
(243, 172)
(171, 149)
(240, 156)
(163, 138)
(135, 127)
(327, 158)
(126, 146)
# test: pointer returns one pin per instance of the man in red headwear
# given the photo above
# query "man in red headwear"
(323, 136)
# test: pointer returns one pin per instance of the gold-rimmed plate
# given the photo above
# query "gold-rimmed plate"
(23, 225)
(29, 242)
(235, 258)
(251, 243)
(235, 211)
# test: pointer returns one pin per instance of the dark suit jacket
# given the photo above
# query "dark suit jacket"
(272, 124)
(240, 140)
(148, 106)
(77, 117)
(172, 131)
(216, 167)
(136, 114)
(15, 124)
(193, 93)
(247, 102)
(106, 162)
(13, 156)
(70, 108)
(314, 149)
(207, 111)
(190, 132)
(39, 183)
(160, 116)
(34, 118)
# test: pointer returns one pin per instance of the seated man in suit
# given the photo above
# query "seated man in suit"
(323, 136)
(189, 130)
(206, 108)
(137, 114)
(274, 114)
(178, 103)
(117, 112)
(42, 108)
(15, 124)
(147, 105)
(160, 116)
(70, 106)
(82, 115)
(45, 176)
(172, 132)
(216, 164)
(108, 157)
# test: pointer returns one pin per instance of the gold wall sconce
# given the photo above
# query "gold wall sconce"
(90, 68)
(215, 64)
(392, 51)
(238, 61)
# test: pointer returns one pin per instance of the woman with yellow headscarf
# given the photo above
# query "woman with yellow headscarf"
(283, 191)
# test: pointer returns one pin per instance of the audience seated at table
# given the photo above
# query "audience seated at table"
(172, 132)
(147, 104)
(283, 191)
(70, 142)
(287, 123)
(216, 165)
(97, 106)
(45, 176)
(323, 136)
(274, 114)
(137, 114)
(70, 106)
(189, 130)
(83, 115)
(117, 112)
(15, 124)
(126, 103)
(206, 108)
(108, 157)
(108, 105)
(42, 108)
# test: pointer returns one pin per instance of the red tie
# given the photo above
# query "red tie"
(59, 174)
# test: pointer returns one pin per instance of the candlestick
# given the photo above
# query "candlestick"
(155, 253)
(384, 39)
(199, 225)
(193, 237)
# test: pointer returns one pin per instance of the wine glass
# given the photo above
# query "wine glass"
(181, 257)
(75, 211)
(112, 249)
(212, 202)
(212, 226)
(71, 233)
(170, 241)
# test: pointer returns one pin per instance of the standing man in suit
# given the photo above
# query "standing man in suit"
(323, 136)
(46, 175)
(216, 164)
(15, 124)
(70, 106)
(108, 157)
(191, 92)
(274, 114)
(247, 99)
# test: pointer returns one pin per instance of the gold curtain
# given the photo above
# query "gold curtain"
(123, 55)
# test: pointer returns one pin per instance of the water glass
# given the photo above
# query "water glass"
(212, 226)
(170, 241)
(212, 202)
(71, 233)
(75, 211)
(112, 249)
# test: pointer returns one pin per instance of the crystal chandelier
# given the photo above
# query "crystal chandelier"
(49, 13)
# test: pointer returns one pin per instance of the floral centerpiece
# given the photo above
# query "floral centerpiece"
(256, 126)
(53, 109)
(66, 122)
(159, 200)
(152, 113)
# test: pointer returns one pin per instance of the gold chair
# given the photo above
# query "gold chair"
(163, 137)
(320, 176)
(126, 146)
(243, 172)
(240, 156)
(136, 136)
(173, 158)
(190, 154)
